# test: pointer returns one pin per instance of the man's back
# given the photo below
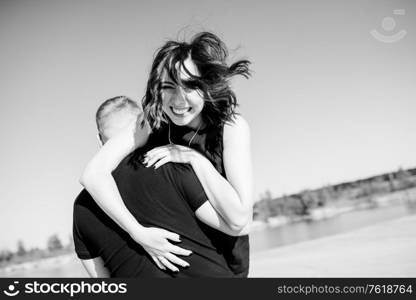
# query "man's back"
(165, 198)
(96, 235)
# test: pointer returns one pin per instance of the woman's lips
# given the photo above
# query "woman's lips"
(180, 111)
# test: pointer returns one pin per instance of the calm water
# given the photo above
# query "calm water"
(260, 240)
(303, 231)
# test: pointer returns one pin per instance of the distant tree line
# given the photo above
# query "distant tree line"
(301, 203)
(53, 247)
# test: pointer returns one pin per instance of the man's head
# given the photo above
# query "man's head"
(115, 114)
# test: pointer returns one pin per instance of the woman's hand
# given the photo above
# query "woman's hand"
(170, 153)
(155, 242)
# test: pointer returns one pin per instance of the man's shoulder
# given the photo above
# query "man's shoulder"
(83, 198)
(133, 161)
(181, 168)
(130, 162)
(182, 174)
(85, 210)
(85, 204)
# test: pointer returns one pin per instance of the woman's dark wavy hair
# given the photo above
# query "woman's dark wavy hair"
(209, 54)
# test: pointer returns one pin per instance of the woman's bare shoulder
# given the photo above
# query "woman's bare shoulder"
(238, 127)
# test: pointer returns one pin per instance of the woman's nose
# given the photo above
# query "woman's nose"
(180, 97)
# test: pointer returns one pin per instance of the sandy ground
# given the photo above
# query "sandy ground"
(387, 249)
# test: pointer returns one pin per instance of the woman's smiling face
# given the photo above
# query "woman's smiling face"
(182, 105)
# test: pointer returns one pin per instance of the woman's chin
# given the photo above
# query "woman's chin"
(180, 121)
(185, 120)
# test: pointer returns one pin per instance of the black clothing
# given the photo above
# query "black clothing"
(95, 234)
(166, 198)
(209, 142)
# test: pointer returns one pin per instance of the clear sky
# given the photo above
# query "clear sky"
(327, 102)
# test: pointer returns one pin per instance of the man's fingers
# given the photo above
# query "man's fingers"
(167, 264)
(179, 251)
(176, 260)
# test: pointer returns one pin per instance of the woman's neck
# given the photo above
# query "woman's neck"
(196, 123)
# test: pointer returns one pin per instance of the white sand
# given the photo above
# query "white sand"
(387, 249)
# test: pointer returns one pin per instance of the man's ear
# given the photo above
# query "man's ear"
(100, 139)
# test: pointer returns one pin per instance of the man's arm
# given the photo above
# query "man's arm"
(208, 215)
(95, 267)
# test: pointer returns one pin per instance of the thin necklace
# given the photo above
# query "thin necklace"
(192, 138)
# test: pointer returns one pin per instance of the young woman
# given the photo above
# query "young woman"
(190, 107)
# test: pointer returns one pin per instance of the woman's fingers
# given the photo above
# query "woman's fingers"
(172, 236)
(154, 158)
(163, 161)
(156, 150)
(158, 263)
(176, 260)
(157, 153)
(172, 153)
(174, 248)
(179, 251)
(167, 264)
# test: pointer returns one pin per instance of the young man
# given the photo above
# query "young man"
(168, 198)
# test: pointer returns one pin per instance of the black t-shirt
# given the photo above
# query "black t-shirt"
(209, 142)
(166, 198)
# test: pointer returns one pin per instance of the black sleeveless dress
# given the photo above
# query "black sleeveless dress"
(209, 142)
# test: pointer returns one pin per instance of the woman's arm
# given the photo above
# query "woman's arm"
(97, 178)
(99, 182)
(233, 198)
(208, 215)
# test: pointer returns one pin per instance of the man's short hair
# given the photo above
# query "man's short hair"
(113, 105)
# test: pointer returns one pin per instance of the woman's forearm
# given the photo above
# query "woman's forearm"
(98, 180)
(234, 209)
(102, 187)
(207, 214)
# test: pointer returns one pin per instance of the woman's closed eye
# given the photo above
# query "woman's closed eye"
(167, 86)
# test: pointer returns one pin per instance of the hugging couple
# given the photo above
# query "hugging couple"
(169, 193)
